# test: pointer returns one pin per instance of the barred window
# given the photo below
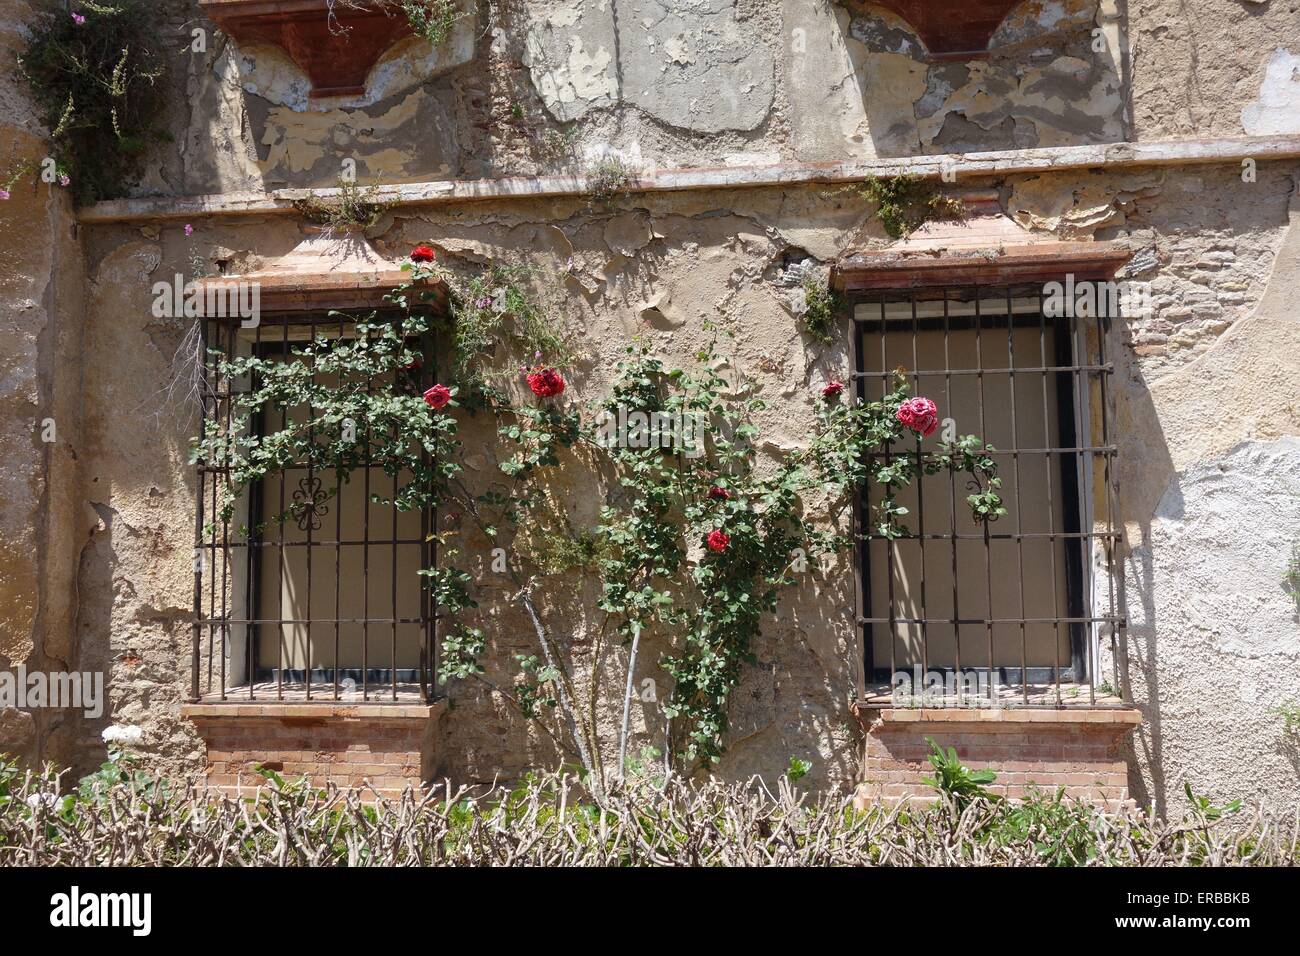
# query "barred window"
(327, 603)
(1014, 608)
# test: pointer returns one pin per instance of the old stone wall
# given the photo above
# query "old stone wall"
(43, 516)
(96, 530)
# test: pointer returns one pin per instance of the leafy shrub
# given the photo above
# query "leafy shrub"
(100, 87)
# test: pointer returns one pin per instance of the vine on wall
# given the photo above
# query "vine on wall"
(694, 546)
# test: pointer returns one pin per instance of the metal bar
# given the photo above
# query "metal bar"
(328, 620)
(983, 621)
(365, 565)
(1026, 370)
(199, 557)
(225, 549)
(952, 493)
(1020, 542)
(920, 496)
(253, 633)
(988, 548)
(311, 517)
(860, 518)
(279, 681)
(889, 544)
(1010, 536)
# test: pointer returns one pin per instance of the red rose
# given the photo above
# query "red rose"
(718, 493)
(718, 540)
(438, 397)
(546, 382)
(422, 254)
(833, 389)
(919, 414)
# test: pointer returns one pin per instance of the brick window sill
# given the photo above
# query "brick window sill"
(1078, 749)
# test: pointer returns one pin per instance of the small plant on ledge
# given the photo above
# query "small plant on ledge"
(905, 203)
(353, 208)
(608, 178)
(432, 20)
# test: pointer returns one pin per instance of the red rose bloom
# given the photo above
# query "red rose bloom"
(718, 493)
(919, 414)
(546, 382)
(718, 540)
(438, 397)
(422, 254)
(833, 389)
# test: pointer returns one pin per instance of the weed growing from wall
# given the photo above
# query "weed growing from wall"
(431, 20)
(905, 203)
(821, 307)
(608, 178)
(353, 207)
(97, 75)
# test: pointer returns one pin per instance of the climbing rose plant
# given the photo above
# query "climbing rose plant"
(698, 537)
(697, 544)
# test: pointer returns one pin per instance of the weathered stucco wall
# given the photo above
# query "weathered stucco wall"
(96, 529)
(551, 86)
(658, 267)
(41, 521)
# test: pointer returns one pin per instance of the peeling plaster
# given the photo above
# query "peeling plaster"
(1278, 108)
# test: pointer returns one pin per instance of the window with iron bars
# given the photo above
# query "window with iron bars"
(328, 604)
(1012, 610)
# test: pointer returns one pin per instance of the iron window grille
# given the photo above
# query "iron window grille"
(329, 604)
(1012, 610)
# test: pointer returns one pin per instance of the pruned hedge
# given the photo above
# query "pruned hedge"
(548, 821)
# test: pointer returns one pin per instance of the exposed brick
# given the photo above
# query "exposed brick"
(1042, 749)
(390, 746)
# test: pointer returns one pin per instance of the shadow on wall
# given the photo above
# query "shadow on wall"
(1197, 453)
(1052, 78)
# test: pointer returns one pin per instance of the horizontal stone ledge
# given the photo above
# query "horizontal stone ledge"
(962, 165)
(909, 718)
(326, 710)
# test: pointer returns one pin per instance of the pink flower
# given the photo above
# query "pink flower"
(920, 415)
(438, 397)
(78, 19)
(189, 229)
(833, 389)
(4, 195)
(545, 382)
(65, 180)
(718, 540)
(718, 493)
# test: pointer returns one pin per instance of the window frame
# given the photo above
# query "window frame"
(1081, 409)
(214, 548)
